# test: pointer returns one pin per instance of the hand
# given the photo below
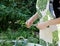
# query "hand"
(29, 23)
(31, 20)
(41, 26)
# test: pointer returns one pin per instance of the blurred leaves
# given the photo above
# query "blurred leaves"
(12, 11)
(13, 15)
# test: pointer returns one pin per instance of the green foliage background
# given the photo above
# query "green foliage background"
(13, 15)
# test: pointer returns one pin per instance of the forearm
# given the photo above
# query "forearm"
(53, 22)
(34, 17)
(48, 23)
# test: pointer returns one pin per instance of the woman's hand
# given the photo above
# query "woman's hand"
(42, 26)
(31, 20)
(29, 23)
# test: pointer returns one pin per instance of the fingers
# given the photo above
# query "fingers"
(41, 26)
(27, 24)
(38, 26)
